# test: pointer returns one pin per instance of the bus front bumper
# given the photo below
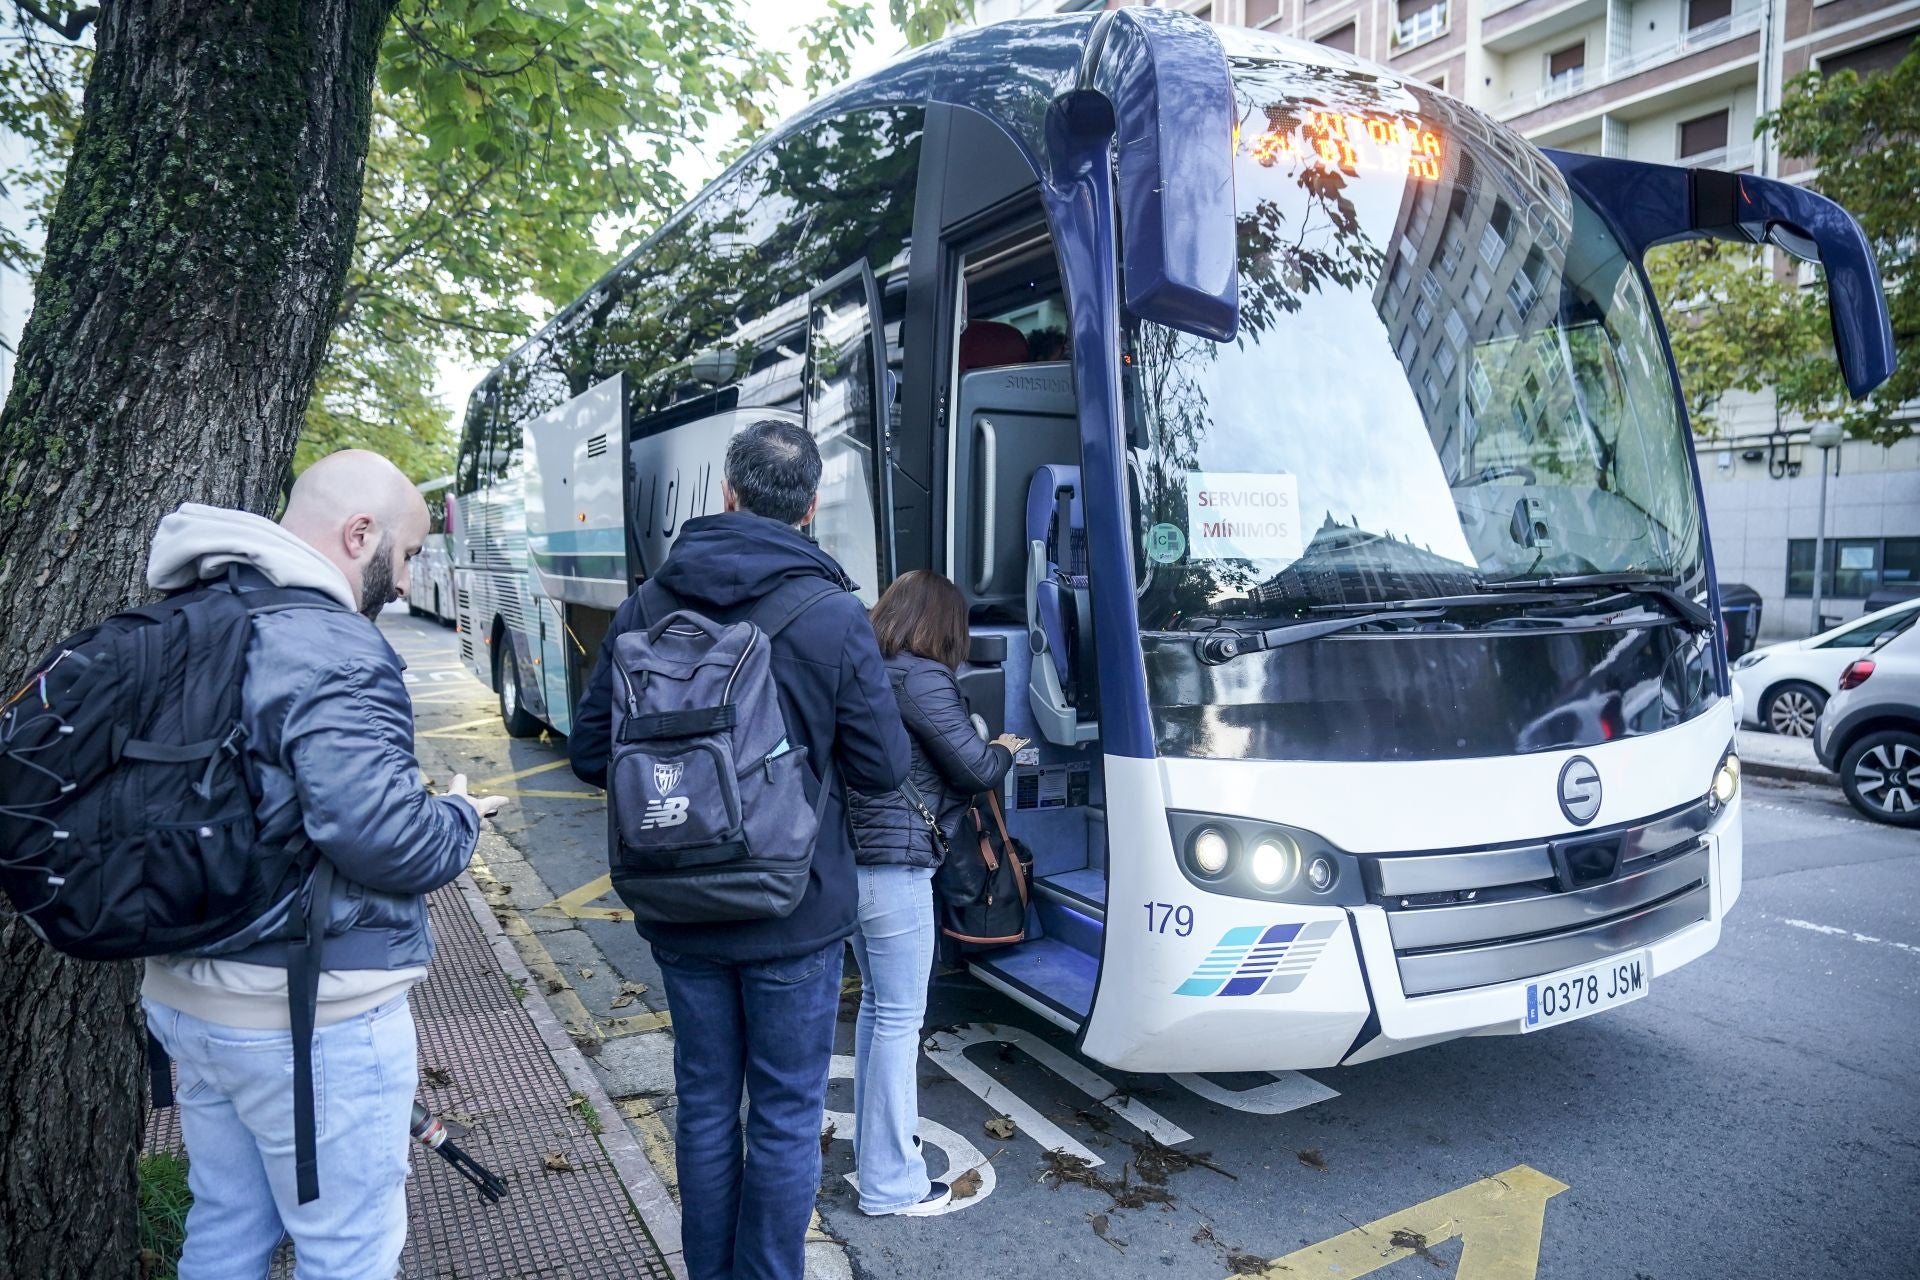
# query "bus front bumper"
(1407, 1021)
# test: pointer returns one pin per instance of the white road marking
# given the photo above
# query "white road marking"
(947, 1050)
(1837, 932)
(1287, 1091)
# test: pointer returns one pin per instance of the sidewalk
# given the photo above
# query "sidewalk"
(1774, 755)
(496, 1062)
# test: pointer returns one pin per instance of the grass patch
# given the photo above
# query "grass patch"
(518, 988)
(164, 1201)
(588, 1112)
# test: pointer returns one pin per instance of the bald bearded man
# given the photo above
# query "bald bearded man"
(330, 735)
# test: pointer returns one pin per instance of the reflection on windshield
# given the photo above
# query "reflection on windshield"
(1437, 383)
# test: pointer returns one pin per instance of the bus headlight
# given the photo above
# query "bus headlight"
(1263, 860)
(1726, 780)
(1208, 850)
(1274, 862)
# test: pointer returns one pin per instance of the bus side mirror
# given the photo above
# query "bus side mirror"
(1649, 204)
(1154, 84)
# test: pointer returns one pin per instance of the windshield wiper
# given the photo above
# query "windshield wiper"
(1663, 590)
(1224, 645)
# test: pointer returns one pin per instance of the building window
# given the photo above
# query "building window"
(1426, 24)
(1703, 135)
(1856, 567)
(1340, 38)
(1204, 13)
(1444, 357)
(1567, 68)
(1869, 59)
(1261, 12)
(1457, 329)
(1702, 12)
(1439, 82)
(1430, 285)
(1422, 314)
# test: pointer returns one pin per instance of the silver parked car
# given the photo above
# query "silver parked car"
(1869, 732)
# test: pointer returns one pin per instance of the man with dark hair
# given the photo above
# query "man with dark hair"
(754, 1002)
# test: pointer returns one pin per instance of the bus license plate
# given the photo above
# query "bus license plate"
(1579, 992)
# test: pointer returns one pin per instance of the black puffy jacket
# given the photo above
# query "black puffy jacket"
(951, 765)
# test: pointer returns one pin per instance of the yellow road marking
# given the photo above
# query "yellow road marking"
(637, 1023)
(655, 1141)
(1498, 1220)
(504, 778)
(574, 1014)
(574, 905)
(551, 795)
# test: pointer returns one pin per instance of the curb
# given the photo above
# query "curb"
(1813, 774)
(658, 1214)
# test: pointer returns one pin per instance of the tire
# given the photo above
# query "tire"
(1790, 709)
(513, 715)
(439, 616)
(1881, 776)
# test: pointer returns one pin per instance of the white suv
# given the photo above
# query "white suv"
(1784, 687)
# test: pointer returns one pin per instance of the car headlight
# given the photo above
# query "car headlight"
(1746, 660)
(1264, 860)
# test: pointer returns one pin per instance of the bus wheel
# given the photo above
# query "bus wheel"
(514, 716)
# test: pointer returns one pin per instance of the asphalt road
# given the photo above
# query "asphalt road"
(1757, 1115)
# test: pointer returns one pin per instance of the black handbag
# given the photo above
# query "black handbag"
(983, 887)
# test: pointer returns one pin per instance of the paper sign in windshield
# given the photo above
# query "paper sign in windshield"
(1243, 516)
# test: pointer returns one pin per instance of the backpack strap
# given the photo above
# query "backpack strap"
(303, 1005)
(782, 606)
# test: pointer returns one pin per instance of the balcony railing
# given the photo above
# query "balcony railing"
(1729, 158)
(1428, 24)
(1582, 79)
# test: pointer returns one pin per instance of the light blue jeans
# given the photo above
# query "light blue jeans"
(894, 948)
(235, 1095)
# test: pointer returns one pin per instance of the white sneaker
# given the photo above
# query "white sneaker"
(937, 1198)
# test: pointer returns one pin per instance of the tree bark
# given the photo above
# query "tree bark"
(193, 265)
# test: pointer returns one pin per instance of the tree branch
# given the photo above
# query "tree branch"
(77, 21)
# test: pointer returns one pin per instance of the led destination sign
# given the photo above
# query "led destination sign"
(1353, 143)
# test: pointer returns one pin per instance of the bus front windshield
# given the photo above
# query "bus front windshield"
(1447, 375)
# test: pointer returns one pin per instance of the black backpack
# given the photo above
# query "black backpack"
(982, 888)
(127, 823)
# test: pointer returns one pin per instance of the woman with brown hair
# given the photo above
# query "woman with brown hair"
(899, 839)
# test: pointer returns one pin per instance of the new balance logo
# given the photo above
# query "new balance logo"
(669, 812)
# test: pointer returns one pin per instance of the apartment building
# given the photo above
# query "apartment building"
(1670, 81)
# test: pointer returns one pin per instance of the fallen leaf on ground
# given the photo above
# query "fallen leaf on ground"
(826, 1136)
(1000, 1127)
(966, 1186)
(555, 986)
(1404, 1239)
(1312, 1158)
(556, 1162)
(438, 1077)
(633, 988)
(622, 1000)
(1245, 1264)
(1099, 1224)
(586, 973)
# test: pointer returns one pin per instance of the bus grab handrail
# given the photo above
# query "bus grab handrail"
(989, 502)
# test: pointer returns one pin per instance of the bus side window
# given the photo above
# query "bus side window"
(843, 387)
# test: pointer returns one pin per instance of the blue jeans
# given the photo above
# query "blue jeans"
(765, 1026)
(894, 948)
(235, 1095)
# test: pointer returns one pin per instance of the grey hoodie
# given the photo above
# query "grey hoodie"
(330, 727)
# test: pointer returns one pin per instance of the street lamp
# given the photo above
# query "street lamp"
(1826, 437)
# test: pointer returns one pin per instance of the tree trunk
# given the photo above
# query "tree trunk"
(192, 267)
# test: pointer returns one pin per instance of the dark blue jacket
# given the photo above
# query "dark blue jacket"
(833, 690)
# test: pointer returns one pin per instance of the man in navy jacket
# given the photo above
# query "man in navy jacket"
(754, 1002)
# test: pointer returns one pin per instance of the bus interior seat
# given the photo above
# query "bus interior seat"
(1059, 610)
(987, 344)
